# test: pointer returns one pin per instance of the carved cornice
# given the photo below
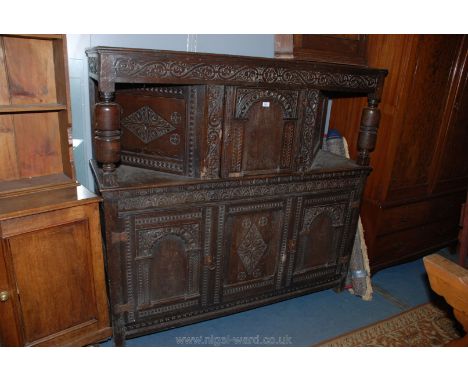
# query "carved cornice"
(167, 67)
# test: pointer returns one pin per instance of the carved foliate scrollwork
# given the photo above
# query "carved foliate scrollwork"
(336, 213)
(168, 67)
(245, 98)
(219, 191)
(215, 125)
(189, 233)
(309, 127)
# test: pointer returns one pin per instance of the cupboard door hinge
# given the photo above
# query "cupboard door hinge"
(121, 308)
(118, 237)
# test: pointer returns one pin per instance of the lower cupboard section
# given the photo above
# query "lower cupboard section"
(187, 264)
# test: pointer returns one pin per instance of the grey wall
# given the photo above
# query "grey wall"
(248, 45)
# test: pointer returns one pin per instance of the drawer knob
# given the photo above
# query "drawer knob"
(4, 295)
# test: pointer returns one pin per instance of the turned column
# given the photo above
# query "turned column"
(368, 131)
(107, 132)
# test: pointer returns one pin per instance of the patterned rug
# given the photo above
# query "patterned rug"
(424, 325)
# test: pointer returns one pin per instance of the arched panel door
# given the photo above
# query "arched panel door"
(262, 133)
(319, 241)
(165, 273)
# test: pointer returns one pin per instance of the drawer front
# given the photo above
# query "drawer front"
(421, 213)
(406, 243)
(163, 264)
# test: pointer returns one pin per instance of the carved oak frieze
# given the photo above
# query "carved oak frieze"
(126, 67)
(197, 193)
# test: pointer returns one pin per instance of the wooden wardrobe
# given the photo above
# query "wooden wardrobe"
(413, 196)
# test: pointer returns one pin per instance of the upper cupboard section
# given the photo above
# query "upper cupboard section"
(210, 116)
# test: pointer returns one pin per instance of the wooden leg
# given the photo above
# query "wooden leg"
(118, 331)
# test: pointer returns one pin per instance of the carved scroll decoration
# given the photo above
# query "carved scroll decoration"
(219, 191)
(215, 126)
(245, 98)
(309, 126)
(336, 213)
(170, 68)
(147, 238)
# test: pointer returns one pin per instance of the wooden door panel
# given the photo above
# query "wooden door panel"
(10, 333)
(319, 237)
(167, 260)
(262, 131)
(53, 272)
(254, 238)
(33, 80)
(160, 126)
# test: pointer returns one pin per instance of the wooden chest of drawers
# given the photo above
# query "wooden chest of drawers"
(217, 195)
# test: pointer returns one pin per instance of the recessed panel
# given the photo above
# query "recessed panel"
(53, 274)
(31, 70)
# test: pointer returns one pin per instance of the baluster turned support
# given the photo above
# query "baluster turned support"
(368, 131)
(107, 132)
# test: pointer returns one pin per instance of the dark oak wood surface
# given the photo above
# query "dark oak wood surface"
(217, 195)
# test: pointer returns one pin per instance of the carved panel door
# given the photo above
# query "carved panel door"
(270, 130)
(159, 127)
(164, 262)
(253, 240)
(318, 238)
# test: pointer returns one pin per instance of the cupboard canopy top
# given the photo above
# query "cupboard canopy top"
(110, 65)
